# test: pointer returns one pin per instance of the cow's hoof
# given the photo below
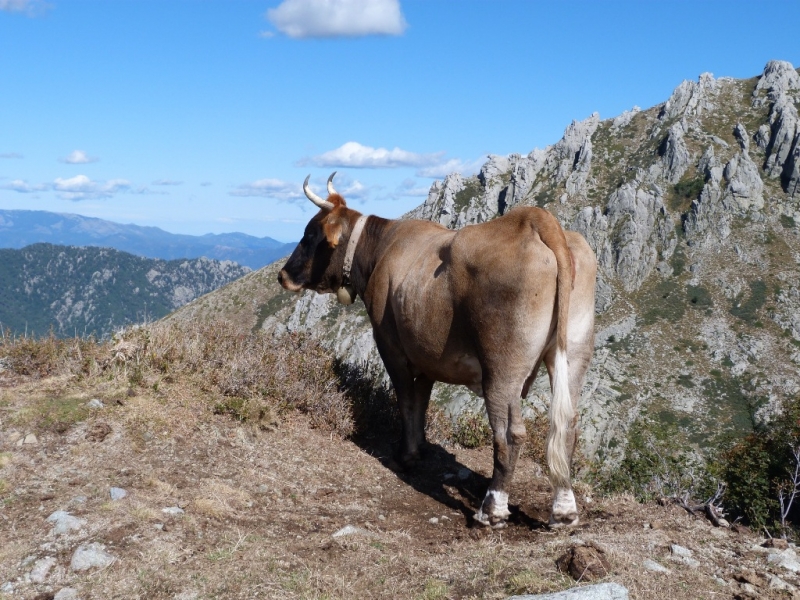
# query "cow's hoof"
(494, 510)
(486, 521)
(410, 460)
(567, 520)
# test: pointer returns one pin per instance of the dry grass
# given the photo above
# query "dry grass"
(263, 495)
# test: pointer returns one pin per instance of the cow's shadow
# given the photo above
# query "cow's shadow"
(438, 474)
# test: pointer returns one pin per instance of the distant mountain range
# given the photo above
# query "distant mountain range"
(20, 228)
(95, 291)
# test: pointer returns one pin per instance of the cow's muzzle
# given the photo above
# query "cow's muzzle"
(287, 283)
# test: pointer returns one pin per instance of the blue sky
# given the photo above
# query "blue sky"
(203, 117)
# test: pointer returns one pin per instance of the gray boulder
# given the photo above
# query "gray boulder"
(601, 591)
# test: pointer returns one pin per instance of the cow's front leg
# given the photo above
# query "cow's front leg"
(509, 433)
(413, 398)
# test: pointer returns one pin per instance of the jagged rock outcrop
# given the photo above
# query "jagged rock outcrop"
(630, 235)
(779, 78)
(675, 155)
(571, 158)
(691, 98)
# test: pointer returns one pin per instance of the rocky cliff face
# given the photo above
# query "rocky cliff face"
(692, 207)
(72, 290)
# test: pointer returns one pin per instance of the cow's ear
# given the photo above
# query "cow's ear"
(332, 228)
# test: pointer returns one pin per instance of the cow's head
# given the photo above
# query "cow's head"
(317, 262)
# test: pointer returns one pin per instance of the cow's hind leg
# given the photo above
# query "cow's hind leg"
(508, 429)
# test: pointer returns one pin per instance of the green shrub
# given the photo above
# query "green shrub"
(756, 467)
(747, 310)
(658, 462)
(472, 430)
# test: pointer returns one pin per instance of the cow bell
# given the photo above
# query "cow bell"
(346, 294)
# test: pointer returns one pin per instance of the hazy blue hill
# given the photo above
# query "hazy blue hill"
(87, 290)
(20, 228)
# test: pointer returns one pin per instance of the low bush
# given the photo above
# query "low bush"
(760, 465)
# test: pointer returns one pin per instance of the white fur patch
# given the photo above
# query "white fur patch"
(564, 508)
(500, 511)
(564, 502)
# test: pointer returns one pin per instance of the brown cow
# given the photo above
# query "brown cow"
(483, 306)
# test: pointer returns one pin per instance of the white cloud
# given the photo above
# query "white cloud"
(167, 182)
(270, 188)
(23, 187)
(337, 18)
(442, 170)
(355, 155)
(31, 8)
(81, 187)
(10, 155)
(350, 189)
(78, 157)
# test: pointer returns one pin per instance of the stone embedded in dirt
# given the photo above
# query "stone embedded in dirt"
(41, 569)
(89, 556)
(173, 511)
(64, 522)
(66, 593)
(31, 439)
(351, 530)
(786, 559)
(776, 583)
(680, 551)
(655, 567)
(433, 521)
(95, 403)
(584, 563)
(117, 493)
(599, 591)
(98, 432)
(751, 577)
(778, 543)
(7, 588)
(464, 473)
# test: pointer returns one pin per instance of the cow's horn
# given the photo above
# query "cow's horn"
(331, 191)
(323, 204)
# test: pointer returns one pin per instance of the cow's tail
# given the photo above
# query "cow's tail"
(562, 412)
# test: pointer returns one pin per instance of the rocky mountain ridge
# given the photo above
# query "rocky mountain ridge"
(692, 208)
(96, 291)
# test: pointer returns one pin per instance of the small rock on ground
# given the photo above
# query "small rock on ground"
(66, 593)
(655, 567)
(351, 530)
(172, 510)
(117, 493)
(786, 559)
(680, 551)
(41, 569)
(95, 403)
(88, 556)
(601, 591)
(64, 522)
